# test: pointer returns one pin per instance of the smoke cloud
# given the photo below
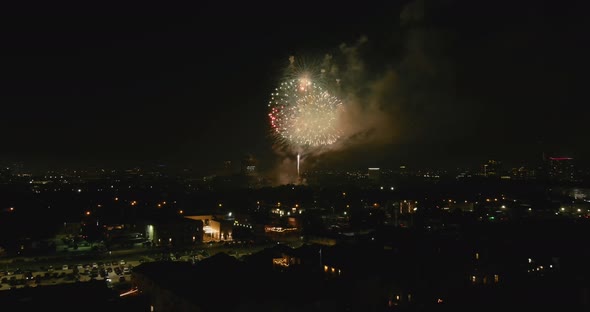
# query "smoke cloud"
(388, 91)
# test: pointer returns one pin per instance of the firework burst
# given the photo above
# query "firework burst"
(303, 114)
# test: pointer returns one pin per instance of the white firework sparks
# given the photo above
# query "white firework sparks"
(304, 114)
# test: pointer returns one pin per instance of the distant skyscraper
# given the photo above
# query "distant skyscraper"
(248, 165)
(561, 169)
(227, 167)
(374, 174)
(523, 172)
(403, 170)
(5, 174)
(491, 168)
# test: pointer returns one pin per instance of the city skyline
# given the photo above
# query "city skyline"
(434, 85)
(405, 155)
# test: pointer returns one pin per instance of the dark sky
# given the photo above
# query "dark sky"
(144, 84)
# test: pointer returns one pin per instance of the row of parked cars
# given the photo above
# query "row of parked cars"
(67, 272)
(80, 267)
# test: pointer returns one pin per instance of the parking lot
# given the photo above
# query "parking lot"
(112, 272)
(114, 268)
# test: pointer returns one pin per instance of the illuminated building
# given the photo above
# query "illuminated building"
(173, 231)
(561, 169)
(523, 173)
(215, 227)
(227, 168)
(374, 174)
(491, 168)
(248, 167)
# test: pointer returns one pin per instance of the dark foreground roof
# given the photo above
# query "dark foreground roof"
(81, 296)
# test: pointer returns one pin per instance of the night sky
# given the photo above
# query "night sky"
(452, 82)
